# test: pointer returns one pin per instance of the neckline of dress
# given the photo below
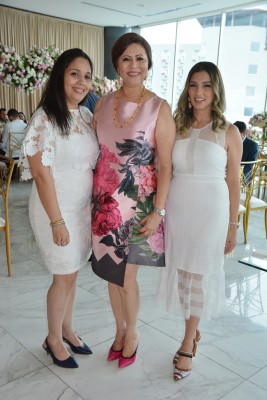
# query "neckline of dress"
(200, 129)
(132, 102)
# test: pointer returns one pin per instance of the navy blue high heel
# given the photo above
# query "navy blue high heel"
(70, 362)
(82, 349)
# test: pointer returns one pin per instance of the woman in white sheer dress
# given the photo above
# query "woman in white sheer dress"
(202, 207)
(60, 151)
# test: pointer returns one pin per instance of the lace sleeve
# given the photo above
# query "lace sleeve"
(86, 115)
(40, 136)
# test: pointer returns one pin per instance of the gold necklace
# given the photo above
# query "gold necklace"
(117, 98)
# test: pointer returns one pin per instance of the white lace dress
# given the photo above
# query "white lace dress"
(71, 160)
(196, 223)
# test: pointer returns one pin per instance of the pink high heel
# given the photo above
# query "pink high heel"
(125, 361)
(114, 354)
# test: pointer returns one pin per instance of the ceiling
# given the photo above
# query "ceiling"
(127, 13)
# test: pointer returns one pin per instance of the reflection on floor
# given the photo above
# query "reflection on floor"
(231, 363)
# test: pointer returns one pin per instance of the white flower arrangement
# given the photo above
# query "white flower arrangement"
(101, 86)
(260, 121)
(28, 72)
(253, 134)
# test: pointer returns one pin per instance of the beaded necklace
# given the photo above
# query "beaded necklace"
(117, 98)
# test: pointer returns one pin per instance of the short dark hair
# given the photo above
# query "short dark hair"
(126, 40)
(242, 127)
(2, 109)
(12, 112)
(53, 99)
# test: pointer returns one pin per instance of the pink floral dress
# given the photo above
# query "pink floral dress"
(125, 183)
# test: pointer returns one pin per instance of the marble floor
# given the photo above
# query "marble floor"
(231, 362)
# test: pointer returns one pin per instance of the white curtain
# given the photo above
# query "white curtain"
(23, 30)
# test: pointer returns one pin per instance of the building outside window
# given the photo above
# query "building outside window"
(236, 41)
(162, 41)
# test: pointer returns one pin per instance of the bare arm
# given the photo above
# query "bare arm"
(165, 138)
(47, 194)
(234, 154)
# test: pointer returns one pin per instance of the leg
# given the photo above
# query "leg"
(130, 304)
(116, 305)
(191, 326)
(191, 299)
(57, 304)
(67, 326)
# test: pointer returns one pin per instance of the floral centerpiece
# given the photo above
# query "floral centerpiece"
(260, 121)
(27, 72)
(253, 134)
(101, 86)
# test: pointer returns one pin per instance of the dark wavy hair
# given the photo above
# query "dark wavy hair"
(183, 115)
(126, 40)
(53, 99)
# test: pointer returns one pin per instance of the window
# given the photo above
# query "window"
(255, 46)
(162, 41)
(250, 90)
(177, 46)
(248, 111)
(197, 40)
(252, 69)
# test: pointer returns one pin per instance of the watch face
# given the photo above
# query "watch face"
(161, 211)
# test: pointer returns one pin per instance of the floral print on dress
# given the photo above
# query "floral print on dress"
(136, 178)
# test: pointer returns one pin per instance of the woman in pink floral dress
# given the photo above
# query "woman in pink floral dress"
(136, 134)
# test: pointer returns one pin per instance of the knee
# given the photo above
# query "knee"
(66, 281)
(130, 284)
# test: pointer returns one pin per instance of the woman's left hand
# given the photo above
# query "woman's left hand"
(150, 224)
(230, 240)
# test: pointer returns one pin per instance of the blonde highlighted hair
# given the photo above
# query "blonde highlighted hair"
(183, 115)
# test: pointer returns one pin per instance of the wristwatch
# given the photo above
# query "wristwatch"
(160, 211)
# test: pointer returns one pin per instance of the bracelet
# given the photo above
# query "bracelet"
(60, 222)
(234, 223)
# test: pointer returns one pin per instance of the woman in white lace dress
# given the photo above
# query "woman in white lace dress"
(202, 207)
(60, 151)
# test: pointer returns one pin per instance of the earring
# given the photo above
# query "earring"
(189, 103)
(119, 79)
(144, 81)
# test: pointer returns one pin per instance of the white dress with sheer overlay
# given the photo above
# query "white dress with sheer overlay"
(196, 223)
(71, 160)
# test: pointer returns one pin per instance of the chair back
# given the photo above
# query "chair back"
(262, 174)
(14, 144)
(252, 183)
(250, 188)
(6, 170)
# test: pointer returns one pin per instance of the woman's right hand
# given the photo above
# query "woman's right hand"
(61, 235)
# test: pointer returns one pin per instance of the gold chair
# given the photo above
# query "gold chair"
(262, 175)
(250, 184)
(15, 140)
(242, 212)
(6, 170)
